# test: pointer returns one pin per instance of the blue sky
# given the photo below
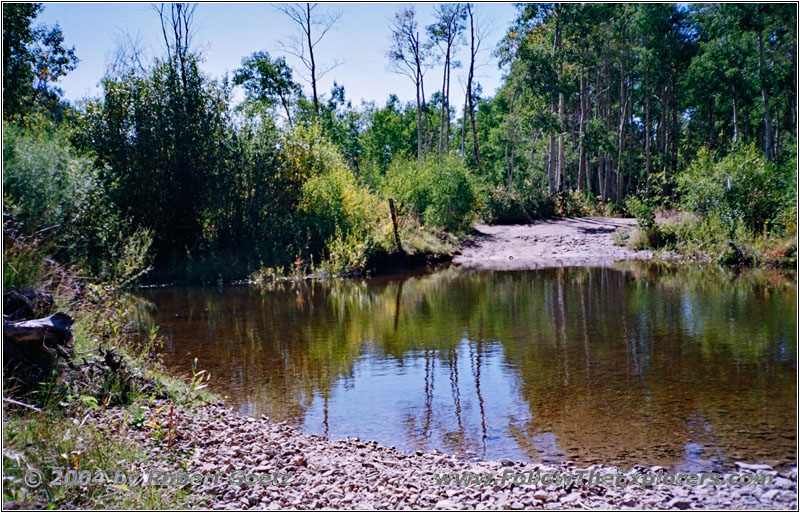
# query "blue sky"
(226, 32)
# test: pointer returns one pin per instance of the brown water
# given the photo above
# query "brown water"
(686, 368)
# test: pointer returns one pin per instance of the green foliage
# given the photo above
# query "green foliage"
(502, 207)
(340, 216)
(45, 181)
(643, 211)
(23, 267)
(441, 191)
(268, 81)
(34, 58)
(739, 189)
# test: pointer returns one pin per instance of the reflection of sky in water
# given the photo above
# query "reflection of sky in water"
(434, 404)
(590, 365)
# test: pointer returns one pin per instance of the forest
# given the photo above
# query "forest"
(682, 116)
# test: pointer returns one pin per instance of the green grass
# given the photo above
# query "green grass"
(88, 421)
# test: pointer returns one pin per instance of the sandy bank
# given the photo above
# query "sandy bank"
(555, 243)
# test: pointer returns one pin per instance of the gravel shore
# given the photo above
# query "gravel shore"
(553, 243)
(310, 472)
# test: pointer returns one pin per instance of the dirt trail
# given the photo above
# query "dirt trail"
(557, 243)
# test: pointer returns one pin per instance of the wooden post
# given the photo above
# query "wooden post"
(394, 225)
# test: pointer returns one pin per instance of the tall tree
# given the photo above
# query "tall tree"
(268, 81)
(34, 58)
(408, 55)
(313, 26)
(475, 39)
(445, 33)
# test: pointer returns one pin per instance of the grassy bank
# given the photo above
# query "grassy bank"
(735, 210)
(62, 422)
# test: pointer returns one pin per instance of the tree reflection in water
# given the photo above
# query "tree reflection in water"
(686, 367)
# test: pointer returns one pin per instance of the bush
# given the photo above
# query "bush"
(579, 204)
(440, 191)
(502, 207)
(343, 220)
(739, 189)
(45, 182)
(643, 211)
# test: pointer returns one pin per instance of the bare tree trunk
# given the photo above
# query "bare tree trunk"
(311, 57)
(470, 77)
(427, 117)
(665, 109)
(443, 102)
(648, 159)
(509, 167)
(735, 118)
(447, 111)
(551, 188)
(581, 130)
(464, 128)
(561, 172)
(674, 138)
(560, 162)
(419, 119)
(768, 152)
(623, 113)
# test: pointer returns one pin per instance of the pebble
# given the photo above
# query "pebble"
(355, 474)
(679, 503)
(769, 495)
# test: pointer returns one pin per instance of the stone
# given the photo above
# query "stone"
(753, 467)
(679, 503)
(447, 504)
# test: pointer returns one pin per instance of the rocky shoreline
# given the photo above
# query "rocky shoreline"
(310, 472)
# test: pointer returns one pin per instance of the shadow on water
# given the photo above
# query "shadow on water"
(684, 367)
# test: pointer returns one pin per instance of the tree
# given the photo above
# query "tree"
(34, 58)
(408, 56)
(445, 34)
(268, 81)
(314, 27)
(475, 39)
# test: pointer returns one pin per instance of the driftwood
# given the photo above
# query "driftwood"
(26, 304)
(31, 349)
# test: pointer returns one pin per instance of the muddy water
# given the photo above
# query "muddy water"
(686, 368)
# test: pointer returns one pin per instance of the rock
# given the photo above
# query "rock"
(540, 494)
(753, 467)
(679, 503)
(573, 497)
(505, 462)
(769, 495)
(782, 482)
(447, 504)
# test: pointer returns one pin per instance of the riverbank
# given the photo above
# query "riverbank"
(90, 419)
(586, 241)
(358, 474)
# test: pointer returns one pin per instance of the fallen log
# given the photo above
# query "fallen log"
(31, 349)
(26, 304)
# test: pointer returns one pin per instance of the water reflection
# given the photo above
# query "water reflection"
(684, 368)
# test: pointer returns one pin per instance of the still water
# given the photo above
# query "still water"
(689, 368)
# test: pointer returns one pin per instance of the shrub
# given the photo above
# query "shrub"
(643, 211)
(579, 204)
(45, 182)
(741, 188)
(502, 207)
(441, 191)
(342, 218)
